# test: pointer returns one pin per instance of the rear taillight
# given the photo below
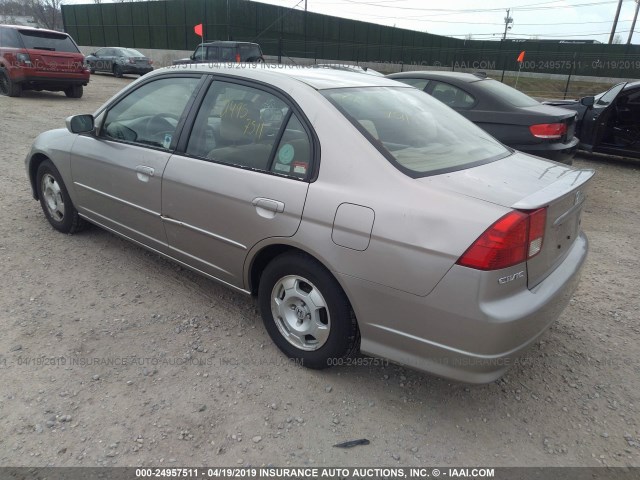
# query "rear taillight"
(549, 130)
(512, 239)
(237, 58)
(24, 58)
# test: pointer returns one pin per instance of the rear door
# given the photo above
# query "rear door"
(243, 177)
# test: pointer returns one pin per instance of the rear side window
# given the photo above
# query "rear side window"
(419, 83)
(55, 42)
(247, 127)
(451, 96)
(9, 38)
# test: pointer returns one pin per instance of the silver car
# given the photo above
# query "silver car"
(363, 214)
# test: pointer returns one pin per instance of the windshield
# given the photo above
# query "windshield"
(511, 95)
(55, 42)
(419, 134)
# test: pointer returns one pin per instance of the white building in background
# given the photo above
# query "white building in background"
(23, 20)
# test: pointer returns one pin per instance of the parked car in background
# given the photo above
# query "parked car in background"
(509, 115)
(360, 211)
(221, 51)
(119, 61)
(609, 122)
(39, 59)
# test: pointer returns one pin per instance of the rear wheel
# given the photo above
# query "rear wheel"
(7, 86)
(305, 311)
(55, 201)
(117, 71)
(74, 91)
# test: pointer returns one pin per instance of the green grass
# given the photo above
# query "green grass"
(552, 88)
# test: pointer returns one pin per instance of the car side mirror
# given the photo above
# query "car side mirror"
(80, 123)
(587, 101)
(192, 56)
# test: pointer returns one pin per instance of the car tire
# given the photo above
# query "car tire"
(117, 71)
(306, 312)
(7, 86)
(92, 70)
(74, 91)
(55, 201)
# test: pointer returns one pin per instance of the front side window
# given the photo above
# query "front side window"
(247, 127)
(150, 114)
(417, 133)
(52, 41)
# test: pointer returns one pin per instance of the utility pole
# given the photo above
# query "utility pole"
(507, 21)
(633, 24)
(615, 22)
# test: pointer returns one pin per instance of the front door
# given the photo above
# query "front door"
(117, 174)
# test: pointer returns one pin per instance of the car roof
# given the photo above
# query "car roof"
(317, 78)
(227, 42)
(428, 74)
(34, 29)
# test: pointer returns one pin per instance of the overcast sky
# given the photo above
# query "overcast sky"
(570, 19)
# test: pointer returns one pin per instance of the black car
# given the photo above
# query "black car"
(119, 61)
(225, 52)
(512, 117)
(610, 121)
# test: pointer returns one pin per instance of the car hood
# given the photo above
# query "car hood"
(514, 181)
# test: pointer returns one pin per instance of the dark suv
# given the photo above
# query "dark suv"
(38, 59)
(224, 52)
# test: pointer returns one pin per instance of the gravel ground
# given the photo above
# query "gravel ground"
(110, 355)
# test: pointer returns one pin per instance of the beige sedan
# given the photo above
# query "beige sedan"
(363, 214)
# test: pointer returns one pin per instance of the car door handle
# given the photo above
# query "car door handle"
(143, 172)
(268, 204)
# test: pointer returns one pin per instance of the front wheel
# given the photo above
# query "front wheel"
(55, 201)
(305, 311)
(117, 71)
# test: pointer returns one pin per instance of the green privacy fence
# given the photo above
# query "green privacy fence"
(294, 33)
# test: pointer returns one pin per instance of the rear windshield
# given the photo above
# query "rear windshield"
(55, 42)
(418, 134)
(511, 95)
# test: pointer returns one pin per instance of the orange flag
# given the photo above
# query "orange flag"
(521, 57)
(198, 29)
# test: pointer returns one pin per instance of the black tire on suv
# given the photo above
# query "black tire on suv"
(74, 91)
(7, 87)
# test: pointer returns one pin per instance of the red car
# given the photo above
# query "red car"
(39, 59)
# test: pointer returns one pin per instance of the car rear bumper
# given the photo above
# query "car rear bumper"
(49, 81)
(138, 70)
(558, 152)
(459, 331)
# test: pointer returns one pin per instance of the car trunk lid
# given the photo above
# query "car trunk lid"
(523, 182)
